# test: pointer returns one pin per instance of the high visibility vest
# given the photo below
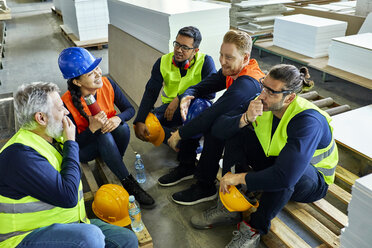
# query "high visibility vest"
(174, 84)
(105, 97)
(252, 70)
(20, 217)
(325, 160)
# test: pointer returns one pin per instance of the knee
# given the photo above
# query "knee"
(91, 236)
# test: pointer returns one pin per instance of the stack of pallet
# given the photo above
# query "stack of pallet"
(256, 16)
(358, 231)
(307, 35)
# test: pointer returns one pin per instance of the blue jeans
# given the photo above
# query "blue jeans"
(187, 154)
(245, 149)
(111, 148)
(98, 234)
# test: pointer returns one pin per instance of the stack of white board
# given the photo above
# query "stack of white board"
(352, 54)
(357, 234)
(257, 16)
(307, 35)
(86, 19)
(337, 7)
(157, 22)
(363, 7)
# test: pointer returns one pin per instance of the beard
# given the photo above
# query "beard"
(276, 106)
(54, 128)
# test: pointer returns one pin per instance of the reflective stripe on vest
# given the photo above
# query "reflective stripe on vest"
(174, 84)
(325, 160)
(105, 98)
(252, 70)
(22, 216)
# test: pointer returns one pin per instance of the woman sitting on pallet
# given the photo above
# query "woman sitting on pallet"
(104, 134)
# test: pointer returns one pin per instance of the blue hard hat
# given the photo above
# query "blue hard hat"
(76, 61)
(197, 106)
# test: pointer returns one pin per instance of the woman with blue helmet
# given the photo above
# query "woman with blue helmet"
(105, 134)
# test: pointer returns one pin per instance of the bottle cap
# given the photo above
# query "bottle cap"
(138, 155)
(89, 99)
(131, 198)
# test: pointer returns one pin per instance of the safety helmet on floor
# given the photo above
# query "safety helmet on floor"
(197, 106)
(76, 61)
(235, 201)
(156, 131)
(111, 205)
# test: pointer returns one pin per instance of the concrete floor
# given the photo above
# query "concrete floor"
(33, 43)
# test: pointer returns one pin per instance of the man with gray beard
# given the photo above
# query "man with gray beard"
(41, 194)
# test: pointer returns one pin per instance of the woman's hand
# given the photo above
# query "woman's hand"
(111, 124)
(96, 122)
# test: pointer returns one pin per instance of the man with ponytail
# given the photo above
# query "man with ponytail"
(281, 145)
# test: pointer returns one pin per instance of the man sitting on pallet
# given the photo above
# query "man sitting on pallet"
(176, 71)
(280, 144)
(41, 194)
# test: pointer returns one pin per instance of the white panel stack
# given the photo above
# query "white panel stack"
(357, 234)
(363, 7)
(57, 4)
(86, 19)
(307, 35)
(352, 54)
(337, 7)
(156, 22)
(257, 16)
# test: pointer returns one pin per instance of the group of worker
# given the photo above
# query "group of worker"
(275, 142)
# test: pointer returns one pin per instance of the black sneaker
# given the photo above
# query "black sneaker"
(133, 188)
(197, 193)
(178, 174)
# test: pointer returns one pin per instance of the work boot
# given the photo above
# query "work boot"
(197, 193)
(215, 216)
(244, 237)
(178, 174)
(133, 188)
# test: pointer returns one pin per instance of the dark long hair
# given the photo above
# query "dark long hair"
(76, 96)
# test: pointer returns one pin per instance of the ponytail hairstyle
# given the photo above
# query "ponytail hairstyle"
(295, 80)
(76, 96)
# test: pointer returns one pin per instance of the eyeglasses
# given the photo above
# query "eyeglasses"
(183, 47)
(270, 91)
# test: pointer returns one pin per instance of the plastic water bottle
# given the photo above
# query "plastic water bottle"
(140, 169)
(135, 215)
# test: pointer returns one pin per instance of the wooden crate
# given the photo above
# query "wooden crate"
(144, 237)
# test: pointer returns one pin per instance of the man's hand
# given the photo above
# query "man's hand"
(141, 131)
(172, 107)
(96, 122)
(184, 106)
(111, 124)
(173, 140)
(231, 179)
(69, 129)
(255, 109)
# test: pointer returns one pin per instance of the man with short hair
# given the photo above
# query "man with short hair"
(175, 72)
(281, 145)
(41, 194)
(239, 75)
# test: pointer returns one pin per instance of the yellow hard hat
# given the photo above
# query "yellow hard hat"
(111, 204)
(156, 131)
(235, 201)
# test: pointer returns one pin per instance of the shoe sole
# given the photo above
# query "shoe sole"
(214, 225)
(176, 182)
(210, 198)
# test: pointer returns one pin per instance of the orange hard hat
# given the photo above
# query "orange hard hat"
(156, 131)
(111, 204)
(235, 201)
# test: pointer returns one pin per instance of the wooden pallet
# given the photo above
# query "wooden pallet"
(322, 219)
(98, 43)
(57, 12)
(144, 237)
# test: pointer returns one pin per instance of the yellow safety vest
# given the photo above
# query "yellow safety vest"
(174, 84)
(325, 160)
(20, 217)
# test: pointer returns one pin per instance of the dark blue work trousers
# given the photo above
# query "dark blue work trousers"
(245, 149)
